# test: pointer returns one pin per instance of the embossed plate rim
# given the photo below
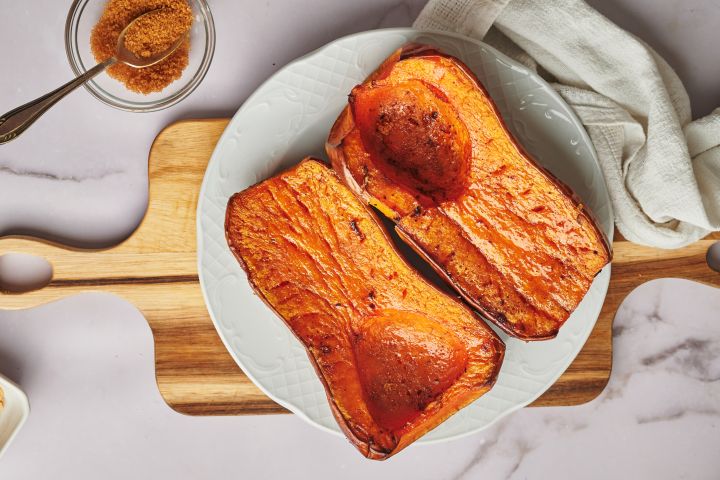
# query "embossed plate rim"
(480, 408)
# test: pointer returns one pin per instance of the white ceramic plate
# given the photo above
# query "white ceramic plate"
(13, 414)
(289, 117)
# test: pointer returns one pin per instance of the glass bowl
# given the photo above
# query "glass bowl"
(83, 16)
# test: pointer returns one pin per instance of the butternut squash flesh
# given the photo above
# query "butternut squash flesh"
(396, 355)
(422, 141)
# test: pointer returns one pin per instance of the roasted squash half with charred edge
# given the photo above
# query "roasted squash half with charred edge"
(396, 355)
(422, 141)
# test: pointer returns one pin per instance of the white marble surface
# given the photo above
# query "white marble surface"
(79, 175)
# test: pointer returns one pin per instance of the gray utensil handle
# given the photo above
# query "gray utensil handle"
(16, 121)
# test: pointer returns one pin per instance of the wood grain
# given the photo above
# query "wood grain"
(156, 270)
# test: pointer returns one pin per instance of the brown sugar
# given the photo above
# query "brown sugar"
(156, 32)
(150, 35)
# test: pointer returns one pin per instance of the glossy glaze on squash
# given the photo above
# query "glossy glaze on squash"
(396, 355)
(422, 141)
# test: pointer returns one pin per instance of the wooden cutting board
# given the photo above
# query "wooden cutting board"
(156, 270)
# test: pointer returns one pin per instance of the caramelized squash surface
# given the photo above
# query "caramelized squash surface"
(422, 141)
(396, 355)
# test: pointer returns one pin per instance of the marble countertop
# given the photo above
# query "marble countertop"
(86, 362)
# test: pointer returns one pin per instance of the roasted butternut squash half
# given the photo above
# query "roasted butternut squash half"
(396, 355)
(422, 141)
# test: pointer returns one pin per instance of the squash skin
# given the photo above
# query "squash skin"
(516, 243)
(396, 356)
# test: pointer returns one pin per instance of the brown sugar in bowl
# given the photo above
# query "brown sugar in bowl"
(140, 90)
(154, 33)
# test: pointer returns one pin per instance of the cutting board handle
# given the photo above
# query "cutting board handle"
(161, 250)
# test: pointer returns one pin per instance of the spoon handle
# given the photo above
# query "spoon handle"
(16, 121)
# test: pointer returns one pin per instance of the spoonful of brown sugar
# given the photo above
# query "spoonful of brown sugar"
(144, 42)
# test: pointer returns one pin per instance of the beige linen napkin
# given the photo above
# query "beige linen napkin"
(661, 168)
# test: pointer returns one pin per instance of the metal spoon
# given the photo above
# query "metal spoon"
(16, 121)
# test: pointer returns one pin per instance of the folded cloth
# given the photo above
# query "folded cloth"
(662, 169)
